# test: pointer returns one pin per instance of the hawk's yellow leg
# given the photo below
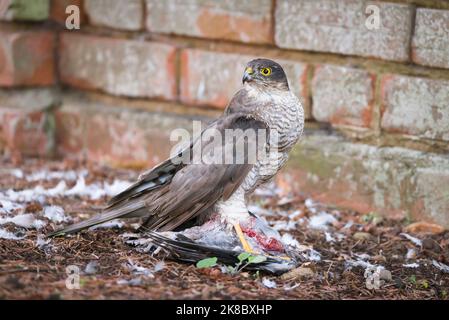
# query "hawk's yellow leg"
(245, 244)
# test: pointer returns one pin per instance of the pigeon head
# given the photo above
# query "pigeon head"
(266, 73)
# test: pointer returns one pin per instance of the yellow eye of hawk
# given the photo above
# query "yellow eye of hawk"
(265, 71)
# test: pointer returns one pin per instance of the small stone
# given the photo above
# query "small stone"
(431, 245)
(411, 254)
(361, 236)
(424, 227)
(379, 258)
(298, 273)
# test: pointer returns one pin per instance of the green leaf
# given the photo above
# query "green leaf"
(256, 259)
(207, 263)
(424, 284)
(243, 256)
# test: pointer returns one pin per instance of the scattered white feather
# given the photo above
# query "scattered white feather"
(284, 225)
(360, 261)
(108, 225)
(441, 266)
(310, 204)
(43, 175)
(24, 220)
(411, 265)
(138, 269)
(159, 266)
(42, 242)
(7, 206)
(8, 235)
(269, 283)
(348, 224)
(143, 244)
(91, 267)
(329, 237)
(116, 187)
(288, 239)
(376, 277)
(313, 255)
(55, 214)
(295, 214)
(269, 190)
(363, 256)
(414, 240)
(133, 282)
(38, 193)
(321, 220)
(259, 211)
(18, 173)
(93, 191)
(288, 288)
(307, 252)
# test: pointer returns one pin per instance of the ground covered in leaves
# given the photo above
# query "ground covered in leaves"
(355, 256)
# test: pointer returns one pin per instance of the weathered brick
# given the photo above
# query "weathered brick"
(70, 133)
(117, 14)
(25, 122)
(113, 134)
(58, 10)
(26, 10)
(118, 66)
(416, 106)
(343, 95)
(26, 58)
(395, 182)
(25, 132)
(246, 21)
(339, 27)
(432, 193)
(430, 45)
(212, 78)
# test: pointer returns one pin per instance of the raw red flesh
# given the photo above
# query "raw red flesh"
(268, 243)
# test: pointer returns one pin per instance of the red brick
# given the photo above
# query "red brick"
(108, 133)
(245, 21)
(339, 27)
(430, 45)
(416, 106)
(212, 78)
(26, 58)
(118, 66)
(111, 140)
(395, 182)
(25, 120)
(343, 96)
(70, 133)
(116, 14)
(25, 132)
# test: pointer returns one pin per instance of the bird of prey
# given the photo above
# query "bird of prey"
(198, 209)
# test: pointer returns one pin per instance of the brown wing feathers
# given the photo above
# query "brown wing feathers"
(173, 193)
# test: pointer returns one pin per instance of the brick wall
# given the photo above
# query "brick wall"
(136, 68)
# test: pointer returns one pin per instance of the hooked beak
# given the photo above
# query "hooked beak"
(247, 76)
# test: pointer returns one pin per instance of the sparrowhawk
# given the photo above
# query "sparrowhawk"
(195, 210)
